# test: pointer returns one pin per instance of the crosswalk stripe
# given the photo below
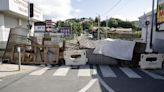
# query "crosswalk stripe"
(94, 71)
(106, 86)
(130, 73)
(107, 71)
(40, 72)
(62, 71)
(153, 75)
(84, 71)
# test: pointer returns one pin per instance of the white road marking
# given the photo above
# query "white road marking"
(88, 85)
(40, 72)
(108, 88)
(84, 71)
(94, 72)
(62, 71)
(130, 73)
(107, 71)
(153, 75)
(0, 80)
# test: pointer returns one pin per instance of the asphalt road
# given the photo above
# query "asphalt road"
(87, 78)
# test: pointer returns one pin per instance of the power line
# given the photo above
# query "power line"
(115, 5)
(121, 8)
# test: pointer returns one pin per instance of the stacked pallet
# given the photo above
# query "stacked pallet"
(17, 35)
(31, 51)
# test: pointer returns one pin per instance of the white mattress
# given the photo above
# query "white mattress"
(119, 49)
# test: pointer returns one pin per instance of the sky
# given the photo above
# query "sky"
(64, 9)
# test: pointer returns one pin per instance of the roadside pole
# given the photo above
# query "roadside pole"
(152, 24)
(98, 35)
(106, 27)
(29, 23)
(19, 58)
(149, 41)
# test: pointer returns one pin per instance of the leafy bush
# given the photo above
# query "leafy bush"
(126, 36)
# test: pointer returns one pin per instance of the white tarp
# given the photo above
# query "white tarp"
(120, 49)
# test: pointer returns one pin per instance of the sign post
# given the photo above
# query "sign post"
(19, 56)
(152, 25)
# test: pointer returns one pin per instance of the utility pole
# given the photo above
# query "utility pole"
(106, 27)
(152, 25)
(28, 26)
(106, 21)
(71, 31)
(98, 35)
(149, 41)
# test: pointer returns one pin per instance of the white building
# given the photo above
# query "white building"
(158, 36)
(15, 13)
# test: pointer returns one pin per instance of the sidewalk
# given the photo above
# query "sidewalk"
(12, 69)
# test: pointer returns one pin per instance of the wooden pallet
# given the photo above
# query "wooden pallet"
(33, 52)
(17, 35)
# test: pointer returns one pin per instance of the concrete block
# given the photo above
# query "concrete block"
(75, 57)
(151, 61)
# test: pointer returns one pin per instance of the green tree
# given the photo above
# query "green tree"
(97, 19)
(103, 23)
(59, 24)
(87, 25)
(77, 28)
(113, 22)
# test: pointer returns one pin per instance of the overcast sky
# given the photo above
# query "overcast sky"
(64, 9)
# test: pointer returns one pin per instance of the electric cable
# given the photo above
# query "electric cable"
(115, 5)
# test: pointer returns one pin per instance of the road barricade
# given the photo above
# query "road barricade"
(151, 61)
(75, 57)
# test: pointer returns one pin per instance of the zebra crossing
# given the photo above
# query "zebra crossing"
(104, 70)
(84, 71)
(107, 71)
(153, 75)
(40, 72)
(62, 71)
(130, 73)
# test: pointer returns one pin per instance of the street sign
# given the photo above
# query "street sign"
(160, 11)
(39, 26)
(49, 25)
(65, 30)
(160, 15)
